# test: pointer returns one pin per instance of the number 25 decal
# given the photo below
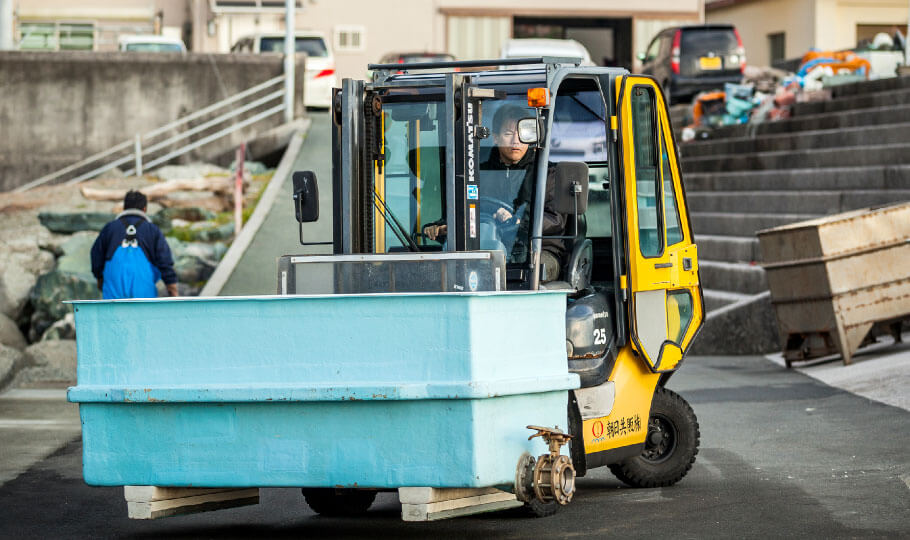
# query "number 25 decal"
(600, 336)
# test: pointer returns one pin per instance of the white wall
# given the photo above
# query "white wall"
(755, 21)
(823, 24)
(837, 19)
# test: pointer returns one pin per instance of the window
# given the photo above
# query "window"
(250, 6)
(349, 38)
(410, 191)
(671, 212)
(777, 47)
(652, 50)
(580, 125)
(647, 177)
(55, 36)
(679, 315)
(311, 45)
(38, 36)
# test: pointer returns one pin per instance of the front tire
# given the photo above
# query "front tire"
(670, 445)
(537, 508)
(338, 502)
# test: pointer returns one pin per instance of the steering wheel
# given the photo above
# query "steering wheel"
(487, 206)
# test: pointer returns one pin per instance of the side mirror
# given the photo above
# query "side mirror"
(528, 131)
(306, 196)
(571, 187)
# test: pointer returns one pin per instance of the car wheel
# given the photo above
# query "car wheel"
(338, 502)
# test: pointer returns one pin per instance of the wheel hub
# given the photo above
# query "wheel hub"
(661, 440)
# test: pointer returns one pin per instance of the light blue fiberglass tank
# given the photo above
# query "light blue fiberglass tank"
(366, 390)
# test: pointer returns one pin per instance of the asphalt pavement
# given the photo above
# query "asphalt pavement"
(782, 455)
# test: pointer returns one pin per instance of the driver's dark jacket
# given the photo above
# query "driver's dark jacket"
(519, 179)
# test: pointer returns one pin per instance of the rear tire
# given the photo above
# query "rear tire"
(670, 445)
(338, 502)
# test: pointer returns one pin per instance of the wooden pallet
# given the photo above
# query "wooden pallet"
(153, 502)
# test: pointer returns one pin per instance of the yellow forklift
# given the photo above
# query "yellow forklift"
(567, 177)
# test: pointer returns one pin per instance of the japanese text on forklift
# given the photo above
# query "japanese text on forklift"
(412, 150)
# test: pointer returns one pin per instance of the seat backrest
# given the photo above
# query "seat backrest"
(580, 265)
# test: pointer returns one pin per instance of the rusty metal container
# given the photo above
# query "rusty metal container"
(833, 279)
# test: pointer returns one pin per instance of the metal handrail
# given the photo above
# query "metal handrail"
(138, 152)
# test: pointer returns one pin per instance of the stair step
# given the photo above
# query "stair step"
(792, 202)
(868, 100)
(866, 87)
(880, 154)
(715, 299)
(873, 177)
(728, 248)
(836, 120)
(806, 140)
(742, 278)
(733, 224)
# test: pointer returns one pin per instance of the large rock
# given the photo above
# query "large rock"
(15, 285)
(193, 270)
(10, 335)
(11, 361)
(207, 231)
(48, 295)
(65, 328)
(21, 262)
(71, 222)
(191, 170)
(190, 213)
(48, 362)
(77, 258)
(195, 262)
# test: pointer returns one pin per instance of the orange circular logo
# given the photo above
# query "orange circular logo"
(597, 429)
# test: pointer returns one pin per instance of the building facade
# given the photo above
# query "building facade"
(774, 30)
(361, 31)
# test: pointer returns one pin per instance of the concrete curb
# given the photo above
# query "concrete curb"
(879, 371)
(242, 242)
(745, 327)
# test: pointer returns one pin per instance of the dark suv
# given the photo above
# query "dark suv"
(686, 60)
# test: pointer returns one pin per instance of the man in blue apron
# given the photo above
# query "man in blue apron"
(130, 254)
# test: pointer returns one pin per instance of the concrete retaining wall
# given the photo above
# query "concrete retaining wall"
(58, 108)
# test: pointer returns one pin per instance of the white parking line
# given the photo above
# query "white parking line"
(43, 394)
(17, 423)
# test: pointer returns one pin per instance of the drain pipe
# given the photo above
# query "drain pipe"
(7, 43)
(290, 57)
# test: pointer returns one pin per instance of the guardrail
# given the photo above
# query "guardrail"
(140, 152)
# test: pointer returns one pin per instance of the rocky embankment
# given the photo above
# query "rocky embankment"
(45, 238)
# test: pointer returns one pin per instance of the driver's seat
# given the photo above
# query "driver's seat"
(579, 265)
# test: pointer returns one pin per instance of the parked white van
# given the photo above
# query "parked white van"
(534, 47)
(319, 78)
(150, 43)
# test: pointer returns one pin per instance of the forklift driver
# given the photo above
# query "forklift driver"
(506, 189)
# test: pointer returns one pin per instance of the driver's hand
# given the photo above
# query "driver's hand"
(502, 215)
(434, 231)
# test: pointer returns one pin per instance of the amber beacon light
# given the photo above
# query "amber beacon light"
(538, 97)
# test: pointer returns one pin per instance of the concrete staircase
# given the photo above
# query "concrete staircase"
(830, 157)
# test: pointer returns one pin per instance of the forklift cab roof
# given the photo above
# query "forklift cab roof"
(489, 71)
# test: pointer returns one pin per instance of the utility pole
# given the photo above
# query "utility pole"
(290, 53)
(7, 42)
